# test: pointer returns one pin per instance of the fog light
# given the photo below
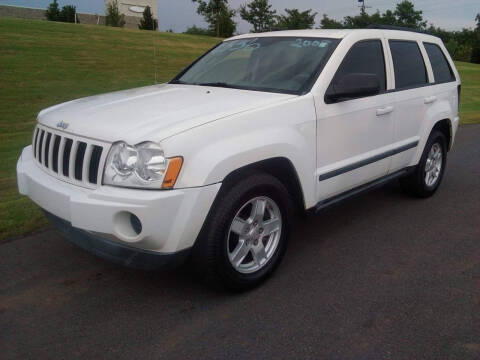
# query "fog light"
(127, 225)
(136, 224)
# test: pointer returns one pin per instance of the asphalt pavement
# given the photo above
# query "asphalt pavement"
(381, 276)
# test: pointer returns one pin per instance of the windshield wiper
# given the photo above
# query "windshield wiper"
(217, 84)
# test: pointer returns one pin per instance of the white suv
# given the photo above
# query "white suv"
(212, 165)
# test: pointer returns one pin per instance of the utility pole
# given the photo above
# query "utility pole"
(363, 6)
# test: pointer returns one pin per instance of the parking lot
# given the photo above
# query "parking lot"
(382, 276)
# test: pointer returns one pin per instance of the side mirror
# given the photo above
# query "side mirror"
(351, 86)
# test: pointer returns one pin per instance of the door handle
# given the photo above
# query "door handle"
(430, 99)
(385, 110)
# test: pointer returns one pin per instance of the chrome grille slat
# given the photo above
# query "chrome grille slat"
(71, 163)
(55, 148)
(66, 157)
(34, 142)
(40, 146)
(61, 149)
(87, 158)
(103, 158)
(95, 159)
(48, 153)
(84, 156)
(80, 159)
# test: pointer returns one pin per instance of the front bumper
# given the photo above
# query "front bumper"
(116, 252)
(171, 219)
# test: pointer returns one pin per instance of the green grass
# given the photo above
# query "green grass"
(470, 97)
(45, 63)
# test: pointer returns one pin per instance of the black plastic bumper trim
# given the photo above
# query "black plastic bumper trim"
(116, 252)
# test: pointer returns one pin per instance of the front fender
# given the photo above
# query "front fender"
(214, 150)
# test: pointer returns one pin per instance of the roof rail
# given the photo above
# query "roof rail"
(392, 27)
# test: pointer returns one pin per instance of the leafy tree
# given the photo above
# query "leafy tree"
(148, 22)
(259, 13)
(113, 16)
(53, 11)
(294, 19)
(228, 25)
(407, 16)
(67, 14)
(388, 18)
(476, 49)
(352, 22)
(327, 23)
(443, 34)
(194, 30)
(462, 45)
(404, 15)
(361, 21)
(475, 55)
(218, 15)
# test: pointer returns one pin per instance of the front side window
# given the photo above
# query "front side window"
(442, 71)
(274, 64)
(408, 64)
(365, 57)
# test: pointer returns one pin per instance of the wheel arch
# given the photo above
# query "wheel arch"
(443, 124)
(279, 167)
(445, 127)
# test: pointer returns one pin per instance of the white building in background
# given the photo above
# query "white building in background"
(136, 7)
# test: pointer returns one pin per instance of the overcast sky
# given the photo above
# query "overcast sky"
(180, 14)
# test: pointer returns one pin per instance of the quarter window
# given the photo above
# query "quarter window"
(441, 69)
(364, 57)
(408, 64)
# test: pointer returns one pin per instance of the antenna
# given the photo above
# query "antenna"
(154, 52)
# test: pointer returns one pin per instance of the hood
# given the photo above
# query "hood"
(153, 112)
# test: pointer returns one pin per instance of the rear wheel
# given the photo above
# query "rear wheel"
(246, 234)
(428, 174)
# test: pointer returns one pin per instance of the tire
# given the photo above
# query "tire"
(417, 183)
(225, 238)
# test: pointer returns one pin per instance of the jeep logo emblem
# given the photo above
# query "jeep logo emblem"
(62, 125)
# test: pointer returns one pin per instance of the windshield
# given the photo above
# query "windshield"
(274, 64)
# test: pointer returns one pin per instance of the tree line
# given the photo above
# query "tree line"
(113, 16)
(463, 45)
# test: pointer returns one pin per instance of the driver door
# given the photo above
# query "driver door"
(354, 136)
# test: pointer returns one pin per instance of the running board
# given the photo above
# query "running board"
(361, 189)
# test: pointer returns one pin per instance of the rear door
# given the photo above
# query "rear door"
(354, 135)
(444, 86)
(413, 95)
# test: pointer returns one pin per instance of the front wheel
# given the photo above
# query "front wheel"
(246, 233)
(428, 174)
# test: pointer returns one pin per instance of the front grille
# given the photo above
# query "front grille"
(68, 157)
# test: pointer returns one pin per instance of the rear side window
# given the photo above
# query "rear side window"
(440, 66)
(364, 57)
(408, 63)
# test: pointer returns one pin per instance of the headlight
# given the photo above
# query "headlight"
(143, 165)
